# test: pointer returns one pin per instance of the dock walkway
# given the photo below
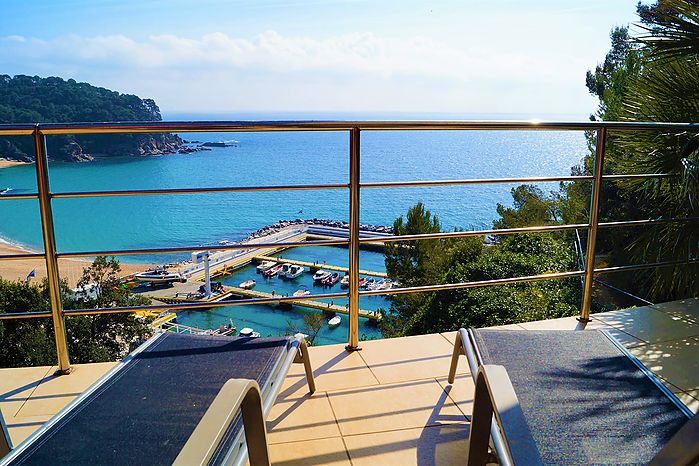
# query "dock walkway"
(317, 265)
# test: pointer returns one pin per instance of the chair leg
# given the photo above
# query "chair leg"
(458, 351)
(303, 357)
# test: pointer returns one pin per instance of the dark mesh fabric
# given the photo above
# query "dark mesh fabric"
(585, 401)
(147, 411)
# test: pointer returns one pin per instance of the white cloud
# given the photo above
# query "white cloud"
(271, 71)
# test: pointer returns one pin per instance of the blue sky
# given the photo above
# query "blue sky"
(321, 57)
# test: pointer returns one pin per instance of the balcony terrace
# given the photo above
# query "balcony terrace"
(389, 403)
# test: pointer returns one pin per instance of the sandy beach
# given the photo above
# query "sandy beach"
(4, 163)
(70, 269)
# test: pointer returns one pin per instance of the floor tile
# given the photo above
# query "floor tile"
(22, 427)
(564, 323)
(329, 452)
(334, 368)
(461, 392)
(16, 385)
(397, 406)
(301, 418)
(436, 445)
(649, 325)
(675, 361)
(687, 309)
(690, 399)
(624, 338)
(410, 358)
(55, 392)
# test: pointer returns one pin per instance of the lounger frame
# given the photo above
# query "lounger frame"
(297, 352)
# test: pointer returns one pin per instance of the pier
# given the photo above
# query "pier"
(317, 265)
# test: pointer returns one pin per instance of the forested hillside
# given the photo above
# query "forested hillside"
(31, 99)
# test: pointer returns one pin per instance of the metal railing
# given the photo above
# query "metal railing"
(354, 185)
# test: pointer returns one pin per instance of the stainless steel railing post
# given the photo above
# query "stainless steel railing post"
(353, 343)
(47, 229)
(593, 225)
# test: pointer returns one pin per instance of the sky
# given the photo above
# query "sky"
(322, 57)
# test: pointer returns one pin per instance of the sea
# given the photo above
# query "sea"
(281, 158)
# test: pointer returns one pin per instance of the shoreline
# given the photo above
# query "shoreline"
(7, 163)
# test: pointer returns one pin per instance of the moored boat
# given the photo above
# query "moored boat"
(344, 283)
(370, 284)
(331, 280)
(159, 275)
(248, 284)
(320, 275)
(300, 293)
(272, 271)
(265, 265)
(284, 270)
(334, 322)
(295, 271)
(248, 332)
(362, 282)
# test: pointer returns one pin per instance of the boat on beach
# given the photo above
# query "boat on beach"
(159, 275)
(248, 284)
(320, 275)
(334, 322)
(265, 265)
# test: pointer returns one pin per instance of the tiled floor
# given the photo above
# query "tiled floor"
(389, 403)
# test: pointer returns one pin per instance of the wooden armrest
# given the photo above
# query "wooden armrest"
(236, 394)
(496, 396)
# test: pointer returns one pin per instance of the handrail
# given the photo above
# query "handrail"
(353, 185)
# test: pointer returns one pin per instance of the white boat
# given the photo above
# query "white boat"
(295, 271)
(320, 275)
(283, 273)
(344, 283)
(265, 265)
(299, 293)
(5, 190)
(248, 332)
(248, 284)
(334, 322)
(159, 275)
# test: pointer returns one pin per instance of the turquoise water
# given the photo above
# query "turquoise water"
(272, 320)
(279, 158)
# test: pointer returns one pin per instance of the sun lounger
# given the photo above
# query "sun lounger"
(183, 399)
(570, 397)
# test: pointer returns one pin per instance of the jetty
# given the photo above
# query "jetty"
(312, 266)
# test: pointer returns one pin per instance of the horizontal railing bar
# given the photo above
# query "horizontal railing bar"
(17, 257)
(231, 189)
(23, 315)
(623, 268)
(626, 223)
(17, 130)
(203, 305)
(211, 247)
(465, 234)
(477, 284)
(532, 179)
(10, 197)
(638, 175)
(238, 126)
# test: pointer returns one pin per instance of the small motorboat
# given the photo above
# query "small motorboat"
(370, 284)
(248, 332)
(159, 275)
(284, 270)
(248, 284)
(331, 280)
(265, 265)
(362, 282)
(273, 271)
(334, 322)
(344, 283)
(226, 242)
(5, 190)
(320, 275)
(295, 271)
(300, 293)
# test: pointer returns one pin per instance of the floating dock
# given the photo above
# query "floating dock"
(317, 265)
